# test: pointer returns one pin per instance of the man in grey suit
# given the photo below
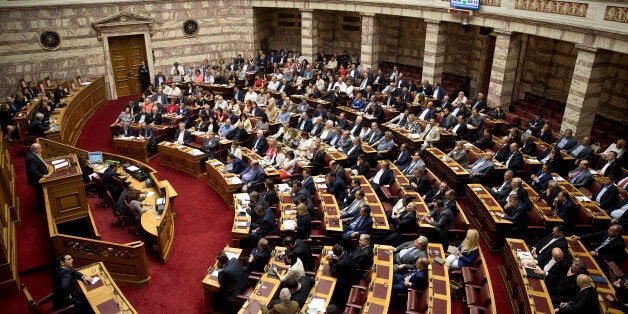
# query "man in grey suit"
(374, 135)
(459, 154)
(443, 221)
(405, 255)
(582, 151)
(344, 143)
(502, 191)
(481, 167)
(580, 176)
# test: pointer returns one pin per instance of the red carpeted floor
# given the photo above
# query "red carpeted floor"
(202, 228)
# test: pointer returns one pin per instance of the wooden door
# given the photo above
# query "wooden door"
(127, 53)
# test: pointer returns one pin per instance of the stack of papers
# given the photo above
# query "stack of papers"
(231, 255)
(583, 199)
(181, 147)
(533, 160)
(283, 188)
(319, 179)
(235, 180)
(216, 163)
(322, 186)
(524, 255)
(133, 168)
(289, 224)
(316, 305)
(195, 152)
(61, 165)
(242, 197)
(559, 178)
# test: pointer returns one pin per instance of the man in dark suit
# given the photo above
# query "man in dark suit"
(35, 170)
(516, 212)
(342, 266)
(482, 168)
(612, 167)
(361, 223)
(259, 257)
(403, 159)
(336, 186)
(542, 250)
(144, 75)
(182, 136)
(232, 281)
(541, 178)
(528, 146)
(210, 145)
(401, 223)
(582, 151)
(605, 245)
(237, 165)
(160, 78)
(586, 301)
(419, 182)
(363, 253)
(479, 103)
(37, 126)
(416, 279)
(64, 288)
(383, 177)
(126, 130)
(374, 135)
(500, 193)
(535, 126)
(304, 123)
(146, 132)
(435, 194)
(354, 151)
(307, 182)
(567, 141)
(514, 161)
(565, 208)
(252, 175)
(260, 145)
(556, 267)
(238, 95)
(608, 195)
(443, 221)
(267, 224)
(460, 129)
(301, 250)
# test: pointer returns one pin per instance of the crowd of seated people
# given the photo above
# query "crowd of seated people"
(304, 132)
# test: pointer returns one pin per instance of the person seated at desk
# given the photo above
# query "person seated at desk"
(400, 120)
(155, 117)
(475, 120)
(466, 253)
(282, 306)
(621, 293)
(459, 155)
(108, 182)
(354, 151)
(384, 145)
(182, 136)
(501, 192)
(234, 164)
(482, 168)
(612, 167)
(383, 177)
(528, 147)
(344, 143)
(515, 211)
(304, 220)
(448, 120)
(361, 223)
(542, 250)
(258, 258)
(209, 146)
(419, 182)
(608, 196)
(225, 129)
(435, 194)
(443, 220)
(514, 159)
(416, 279)
(619, 212)
(336, 186)
(460, 129)
(555, 269)
(581, 176)
(402, 222)
(363, 253)
(294, 268)
(485, 141)
(172, 107)
(142, 116)
(146, 132)
(585, 301)
(37, 126)
(87, 169)
(567, 141)
(406, 254)
(354, 207)
(232, 280)
(126, 130)
(541, 179)
(605, 245)
(582, 151)
(567, 288)
(64, 289)
(136, 206)
(267, 225)
(252, 175)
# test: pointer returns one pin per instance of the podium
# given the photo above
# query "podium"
(64, 192)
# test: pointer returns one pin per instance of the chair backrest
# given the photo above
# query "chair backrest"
(395, 189)
(459, 222)
(480, 274)
(424, 301)
(485, 295)
(535, 218)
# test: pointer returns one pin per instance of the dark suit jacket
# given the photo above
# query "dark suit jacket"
(308, 185)
(344, 271)
(366, 226)
(540, 184)
(403, 160)
(364, 169)
(462, 130)
(518, 216)
(428, 115)
(303, 252)
(129, 131)
(516, 161)
(614, 170)
(35, 169)
(502, 153)
(268, 224)
(546, 255)
(418, 280)
(270, 196)
(387, 178)
(363, 257)
(156, 81)
(405, 223)
(37, 128)
(586, 301)
(422, 184)
(556, 273)
(443, 220)
(232, 280)
(306, 124)
(238, 166)
(339, 189)
(529, 148)
(371, 137)
(353, 157)
(148, 134)
(261, 147)
(614, 250)
(258, 175)
(478, 105)
(260, 259)
(433, 195)
(64, 286)
(610, 197)
(187, 136)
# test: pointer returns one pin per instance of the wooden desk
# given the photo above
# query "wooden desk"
(528, 295)
(438, 287)
(64, 192)
(181, 158)
(266, 288)
(241, 219)
(380, 223)
(210, 281)
(597, 215)
(544, 210)
(476, 153)
(328, 205)
(225, 184)
(421, 210)
(67, 124)
(482, 209)
(380, 288)
(450, 171)
(132, 147)
(324, 284)
(401, 135)
(103, 296)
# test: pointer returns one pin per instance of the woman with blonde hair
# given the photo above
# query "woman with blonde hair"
(467, 252)
(460, 99)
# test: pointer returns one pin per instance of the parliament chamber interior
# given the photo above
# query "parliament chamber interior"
(255, 156)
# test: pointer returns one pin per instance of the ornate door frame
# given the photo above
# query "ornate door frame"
(123, 24)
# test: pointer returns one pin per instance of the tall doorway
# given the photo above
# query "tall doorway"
(127, 53)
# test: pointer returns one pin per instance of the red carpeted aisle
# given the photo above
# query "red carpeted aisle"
(202, 228)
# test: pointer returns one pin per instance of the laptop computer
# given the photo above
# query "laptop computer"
(95, 157)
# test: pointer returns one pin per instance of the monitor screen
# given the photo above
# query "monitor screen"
(465, 4)
(95, 157)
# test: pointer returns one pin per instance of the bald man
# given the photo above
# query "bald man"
(556, 268)
(586, 301)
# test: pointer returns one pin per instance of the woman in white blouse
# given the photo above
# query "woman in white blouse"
(460, 99)
(287, 166)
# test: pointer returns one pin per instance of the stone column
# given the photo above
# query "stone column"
(504, 69)
(434, 55)
(585, 90)
(309, 35)
(369, 47)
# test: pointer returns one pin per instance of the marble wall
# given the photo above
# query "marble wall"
(613, 102)
(402, 40)
(333, 37)
(225, 28)
(465, 54)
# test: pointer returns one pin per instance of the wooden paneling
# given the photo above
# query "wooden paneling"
(127, 53)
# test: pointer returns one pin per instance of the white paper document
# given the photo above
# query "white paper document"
(316, 305)
(235, 180)
(289, 224)
(56, 162)
(133, 168)
(61, 165)
(95, 280)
